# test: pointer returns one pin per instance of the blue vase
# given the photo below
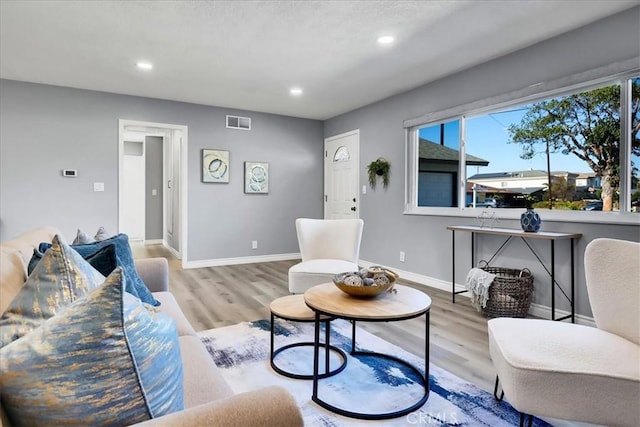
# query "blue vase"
(530, 221)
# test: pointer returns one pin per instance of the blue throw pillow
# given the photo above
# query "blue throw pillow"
(61, 277)
(104, 260)
(105, 360)
(124, 257)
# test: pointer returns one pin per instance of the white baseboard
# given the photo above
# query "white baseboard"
(153, 242)
(537, 310)
(240, 260)
(545, 312)
(421, 279)
(170, 249)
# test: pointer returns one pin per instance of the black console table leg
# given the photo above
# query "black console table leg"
(453, 265)
(553, 281)
(573, 284)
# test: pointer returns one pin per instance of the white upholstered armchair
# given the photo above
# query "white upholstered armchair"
(574, 372)
(327, 247)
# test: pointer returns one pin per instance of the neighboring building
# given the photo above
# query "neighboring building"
(438, 173)
(588, 180)
(524, 182)
(513, 186)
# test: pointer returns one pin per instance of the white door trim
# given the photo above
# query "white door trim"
(122, 124)
(342, 135)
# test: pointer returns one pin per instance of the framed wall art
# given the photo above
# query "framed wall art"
(256, 177)
(215, 166)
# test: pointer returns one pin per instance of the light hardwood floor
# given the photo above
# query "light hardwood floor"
(221, 296)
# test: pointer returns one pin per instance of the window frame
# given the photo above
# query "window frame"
(533, 93)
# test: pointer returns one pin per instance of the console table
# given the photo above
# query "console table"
(510, 233)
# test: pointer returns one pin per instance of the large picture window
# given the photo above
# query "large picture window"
(573, 152)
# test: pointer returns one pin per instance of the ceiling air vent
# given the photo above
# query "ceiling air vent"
(237, 122)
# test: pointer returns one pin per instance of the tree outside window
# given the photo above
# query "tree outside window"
(585, 125)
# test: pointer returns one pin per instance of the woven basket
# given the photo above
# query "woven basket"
(510, 292)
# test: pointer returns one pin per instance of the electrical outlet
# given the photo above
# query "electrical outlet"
(401, 256)
(254, 244)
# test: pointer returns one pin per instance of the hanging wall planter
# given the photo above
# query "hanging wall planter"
(379, 168)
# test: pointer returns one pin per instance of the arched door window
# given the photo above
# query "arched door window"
(341, 154)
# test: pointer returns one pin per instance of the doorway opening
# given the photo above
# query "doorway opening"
(152, 184)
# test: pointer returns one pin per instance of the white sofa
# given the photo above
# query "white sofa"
(208, 399)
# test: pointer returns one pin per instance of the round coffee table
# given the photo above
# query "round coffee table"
(405, 303)
(293, 308)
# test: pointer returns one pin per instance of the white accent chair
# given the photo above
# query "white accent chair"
(575, 372)
(327, 247)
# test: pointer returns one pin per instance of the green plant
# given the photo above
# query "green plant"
(379, 168)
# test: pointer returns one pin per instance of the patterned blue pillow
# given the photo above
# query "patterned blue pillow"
(105, 360)
(135, 285)
(61, 277)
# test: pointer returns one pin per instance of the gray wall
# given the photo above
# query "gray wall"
(153, 180)
(44, 129)
(424, 239)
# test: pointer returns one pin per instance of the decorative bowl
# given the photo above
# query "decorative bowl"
(366, 283)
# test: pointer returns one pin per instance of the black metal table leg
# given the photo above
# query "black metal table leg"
(316, 355)
(473, 250)
(272, 335)
(427, 341)
(553, 281)
(453, 265)
(573, 284)
(326, 345)
(354, 352)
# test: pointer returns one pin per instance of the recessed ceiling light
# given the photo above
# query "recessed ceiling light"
(295, 91)
(144, 65)
(385, 39)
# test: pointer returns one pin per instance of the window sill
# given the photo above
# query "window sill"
(587, 217)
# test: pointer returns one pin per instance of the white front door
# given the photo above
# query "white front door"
(341, 176)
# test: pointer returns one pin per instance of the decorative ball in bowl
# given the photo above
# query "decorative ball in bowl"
(366, 283)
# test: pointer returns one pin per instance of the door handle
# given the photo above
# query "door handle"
(354, 200)
(353, 208)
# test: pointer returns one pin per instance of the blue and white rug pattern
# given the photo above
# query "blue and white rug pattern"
(366, 385)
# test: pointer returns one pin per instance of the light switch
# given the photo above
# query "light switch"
(98, 186)
(364, 189)
(154, 192)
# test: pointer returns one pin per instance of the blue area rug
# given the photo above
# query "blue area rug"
(366, 385)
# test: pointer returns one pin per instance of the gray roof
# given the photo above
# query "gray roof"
(431, 151)
(532, 173)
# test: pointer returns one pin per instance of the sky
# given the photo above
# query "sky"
(487, 135)
(487, 138)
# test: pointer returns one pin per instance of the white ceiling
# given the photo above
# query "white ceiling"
(248, 54)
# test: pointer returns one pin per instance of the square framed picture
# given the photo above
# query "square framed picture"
(256, 177)
(215, 166)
